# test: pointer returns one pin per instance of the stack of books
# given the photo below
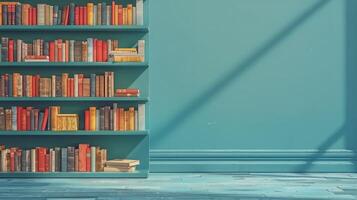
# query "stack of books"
(15, 13)
(118, 165)
(130, 92)
(129, 54)
(84, 158)
(115, 118)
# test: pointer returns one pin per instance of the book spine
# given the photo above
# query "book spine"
(72, 14)
(92, 85)
(92, 159)
(64, 159)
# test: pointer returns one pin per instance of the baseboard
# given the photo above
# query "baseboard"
(297, 161)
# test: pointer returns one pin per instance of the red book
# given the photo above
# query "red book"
(37, 85)
(47, 163)
(23, 119)
(12, 159)
(85, 21)
(99, 53)
(68, 87)
(52, 51)
(105, 51)
(113, 11)
(34, 16)
(86, 120)
(81, 15)
(28, 119)
(34, 86)
(76, 15)
(82, 157)
(95, 50)
(120, 15)
(88, 159)
(41, 155)
(72, 87)
(67, 16)
(11, 51)
(59, 50)
(80, 85)
(29, 16)
(45, 119)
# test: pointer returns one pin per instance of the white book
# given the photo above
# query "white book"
(134, 15)
(53, 160)
(92, 159)
(53, 86)
(33, 160)
(109, 18)
(140, 12)
(141, 117)
(40, 14)
(76, 85)
(141, 47)
(19, 50)
(109, 45)
(95, 11)
(14, 118)
(90, 49)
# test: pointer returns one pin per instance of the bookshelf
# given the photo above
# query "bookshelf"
(120, 144)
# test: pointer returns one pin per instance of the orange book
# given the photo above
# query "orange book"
(1, 15)
(130, 14)
(118, 119)
(34, 86)
(125, 16)
(120, 15)
(82, 157)
(14, 84)
(64, 84)
(88, 159)
(67, 50)
(92, 116)
(131, 119)
(121, 119)
(86, 120)
(72, 87)
(90, 13)
(68, 87)
(80, 85)
(99, 53)
(116, 14)
(126, 120)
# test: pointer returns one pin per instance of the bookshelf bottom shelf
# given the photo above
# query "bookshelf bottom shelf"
(136, 174)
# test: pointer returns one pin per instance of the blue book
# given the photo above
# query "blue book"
(10, 86)
(55, 15)
(4, 15)
(64, 160)
(104, 13)
(71, 13)
(18, 15)
(92, 85)
(40, 120)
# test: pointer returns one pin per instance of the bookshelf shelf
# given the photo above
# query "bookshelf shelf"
(73, 28)
(73, 133)
(75, 99)
(72, 64)
(136, 174)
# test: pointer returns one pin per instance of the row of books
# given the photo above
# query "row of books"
(89, 50)
(64, 85)
(115, 118)
(15, 13)
(84, 158)
(19, 118)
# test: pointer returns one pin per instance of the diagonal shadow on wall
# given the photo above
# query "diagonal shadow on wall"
(209, 94)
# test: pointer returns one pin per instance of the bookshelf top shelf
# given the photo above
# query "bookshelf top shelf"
(73, 133)
(94, 99)
(12, 28)
(73, 64)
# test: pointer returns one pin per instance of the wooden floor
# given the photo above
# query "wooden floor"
(187, 186)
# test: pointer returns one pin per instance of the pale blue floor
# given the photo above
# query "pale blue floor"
(187, 186)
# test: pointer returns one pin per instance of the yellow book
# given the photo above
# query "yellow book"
(130, 14)
(67, 122)
(116, 10)
(0, 15)
(125, 16)
(90, 7)
(131, 119)
(54, 113)
(92, 118)
(126, 49)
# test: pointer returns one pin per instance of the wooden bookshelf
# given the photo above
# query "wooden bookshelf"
(120, 144)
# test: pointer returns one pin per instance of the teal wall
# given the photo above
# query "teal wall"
(253, 85)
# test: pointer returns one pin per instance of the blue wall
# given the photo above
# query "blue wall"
(252, 85)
